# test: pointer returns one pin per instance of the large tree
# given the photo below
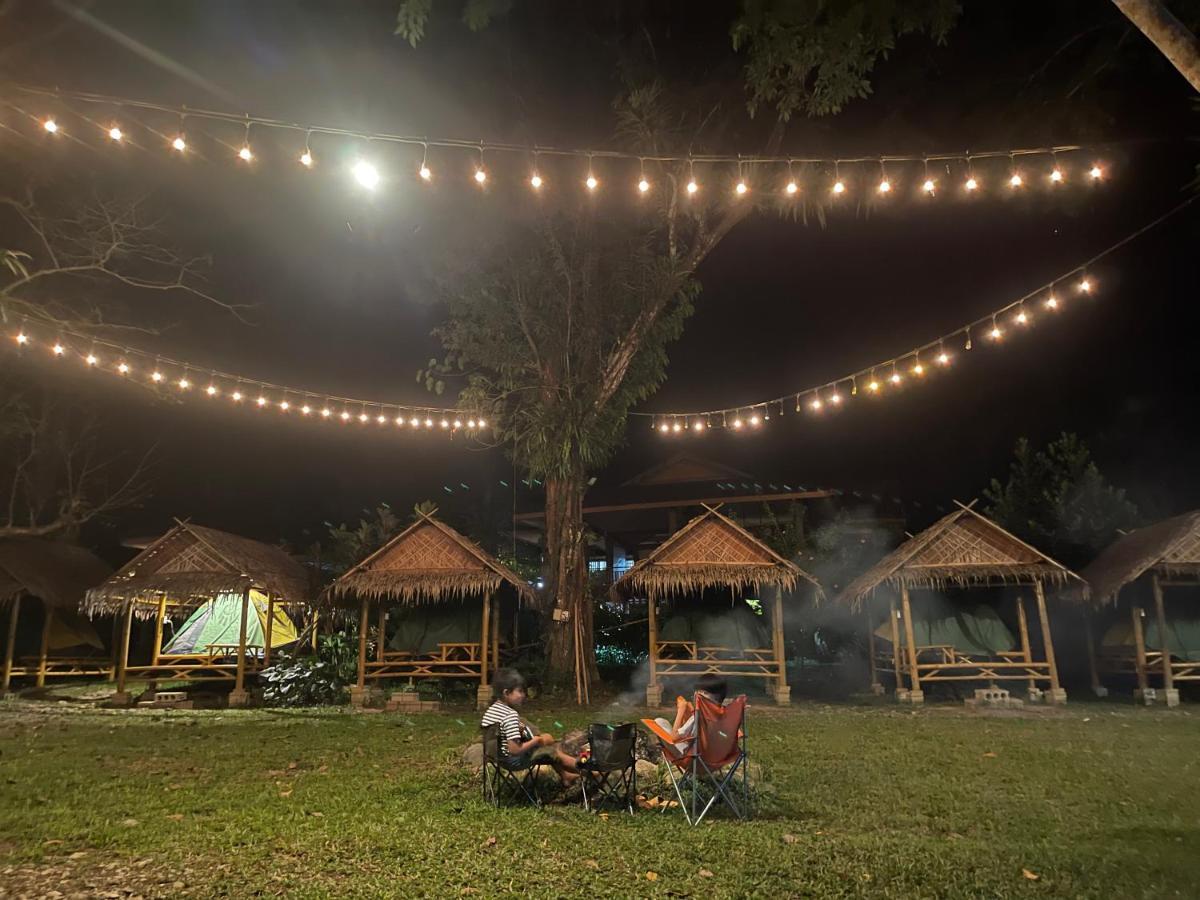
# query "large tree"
(566, 327)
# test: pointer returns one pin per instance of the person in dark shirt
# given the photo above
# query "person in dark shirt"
(518, 741)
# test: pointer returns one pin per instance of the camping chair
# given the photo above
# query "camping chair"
(504, 775)
(611, 769)
(710, 762)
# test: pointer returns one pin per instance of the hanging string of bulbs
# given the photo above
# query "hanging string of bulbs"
(183, 379)
(934, 174)
(913, 365)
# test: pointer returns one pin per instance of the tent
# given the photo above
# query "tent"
(738, 628)
(1183, 637)
(421, 631)
(976, 629)
(218, 622)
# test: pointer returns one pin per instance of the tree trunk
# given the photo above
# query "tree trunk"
(1167, 33)
(567, 593)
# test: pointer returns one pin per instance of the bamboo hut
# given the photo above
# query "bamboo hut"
(429, 563)
(711, 551)
(1166, 650)
(187, 568)
(42, 586)
(962, 551)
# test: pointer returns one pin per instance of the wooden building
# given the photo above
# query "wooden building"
(429, 563)
(185, 568)
(710, 553)
(961, 554)
(1135, 571)
(42, 587)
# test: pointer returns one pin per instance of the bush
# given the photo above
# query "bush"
(302, 682)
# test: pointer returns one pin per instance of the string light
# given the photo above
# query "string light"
(873, 385)
(895, 379)
(236, 396)
(995, 334)
(58, 349)
(1022, 318)
(1085, 286)
(184, 384)
(245, 155)
(366, 174)
(971, 184)
(835, 398)
(261, 401)
(928, 186)
(1096, 172)
(305, 409)
(211, 390)
(643, 185)
(755, 420)
(815, 404)
(284, 406)
(884, 185)
(116, 134)
(91, 359)
(918, 369)
(306, 158)
(425, 172)
(1056, 176)
(480, 176)
(22, 338)
(326, 412)
(179, 143)
(1052, 302)
(535, 181)
(157, 377)
(51, 126)
(1015, 180)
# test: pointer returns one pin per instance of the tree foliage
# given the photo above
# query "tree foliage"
(1057, 500)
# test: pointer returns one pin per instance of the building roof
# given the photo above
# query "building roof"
(191, 564)
(428, 562)
(687, 468)
(56, 573)
(961, 549)
(710, 551)
(1169, 547)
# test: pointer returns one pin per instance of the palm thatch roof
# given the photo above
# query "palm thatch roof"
(428, 562)
(1169, 547)
(58, 574)
(191, 564)
(962, 549)
(710, 551)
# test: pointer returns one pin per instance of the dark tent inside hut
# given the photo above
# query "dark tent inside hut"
(447, 600)
(229, 593)
(713, 554)
(42, 586)
(974, 579)
(1156, 652)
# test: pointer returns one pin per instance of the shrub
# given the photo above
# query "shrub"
(302, 682)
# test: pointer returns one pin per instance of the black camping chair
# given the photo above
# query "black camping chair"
(504, 776)
(611, 770)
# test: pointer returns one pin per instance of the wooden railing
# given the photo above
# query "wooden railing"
(942, 662)
(691, 659)
(450, 660)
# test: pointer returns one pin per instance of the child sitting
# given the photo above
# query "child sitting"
(683, 730)
(518, 742)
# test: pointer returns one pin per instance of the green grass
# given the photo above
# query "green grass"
(1099, 800)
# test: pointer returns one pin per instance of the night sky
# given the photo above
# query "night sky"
(343, 285)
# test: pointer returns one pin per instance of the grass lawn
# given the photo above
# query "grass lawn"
(1097, 800)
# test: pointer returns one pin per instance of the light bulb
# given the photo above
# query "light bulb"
(1022, 318)
(345, 416)
(873, 385)
(326, 413)
(429, 423)
(22, 338)
(245, 154)
(482, 423)
(918, 370)
(971, 184)
(699, 426)
(115, 133)
(480, 176)
(457, 423)
(123, 368)
(755, 420)
(896, 379)
(284, 406)
(236, 396)
(995, 334)
(59, 349)
(306, 159)
(425, 172)
(184, 384)
(1056, 176)
(400, 420)
(414, 421)
(591, 182)
(943, 358)
(50, 125)
(1015, 180)
(835, 399)
(91, 359)
(1052, 302)
(470, 423)
(536, 181)
(381, 419)
(737, 423)
(839, 187)
(1096, 172)
(885, 186)
(928, 186)
(1085, 286)
(816, 403)
(305, 410)
(366, 174)
(741, 188)
(261, 401)
(363, 417)
(211, 390)
(791, 188)
(676, 427)
(179, 144)
(643, 186)
(692, 187)
(156, 377)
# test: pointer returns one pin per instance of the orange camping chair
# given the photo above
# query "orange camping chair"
(710, 763)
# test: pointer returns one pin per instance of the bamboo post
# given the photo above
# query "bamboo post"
(482, 694)
(653, 688)
(362, 644)
(875, 686)
(894, 618)
(1057, 694)
(496, 634)
(1160, 612)
(158, 629)
(783, 693)
(114, 647)
(1026, 652)
(269, 630)
(916, 695)
(123, 657)
(10, 642)
(316, 619)
(1093, 670)
(381, 631)
(45, 646)
(1139, 647)
(238, 696)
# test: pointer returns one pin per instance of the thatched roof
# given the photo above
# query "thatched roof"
(191, 564)
(710, 551)
(428, 562)
(1169, 547)
(962, 549)
(57, 574)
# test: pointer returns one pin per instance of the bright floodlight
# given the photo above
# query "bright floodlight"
(366, 174)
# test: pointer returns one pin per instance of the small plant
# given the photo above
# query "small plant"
(302, 682)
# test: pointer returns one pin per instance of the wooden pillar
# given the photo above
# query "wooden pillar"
(269, 630)
(316, 621)
(114, 646)
(1057, 694)
(362, 643)
(894, 618)
(1139, 648)
(875, 685)
(44, 650)
(10, 642)
(496, 634)
(653, 688)
(238, 696)
(1097, 688)
(123, 656)
(158, 629)
(484, 640)
(381, 631)
(916, 695)
(1023, 626)
(1160, 613)
(783, 693)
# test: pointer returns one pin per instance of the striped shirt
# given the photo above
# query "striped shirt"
(511, 729)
